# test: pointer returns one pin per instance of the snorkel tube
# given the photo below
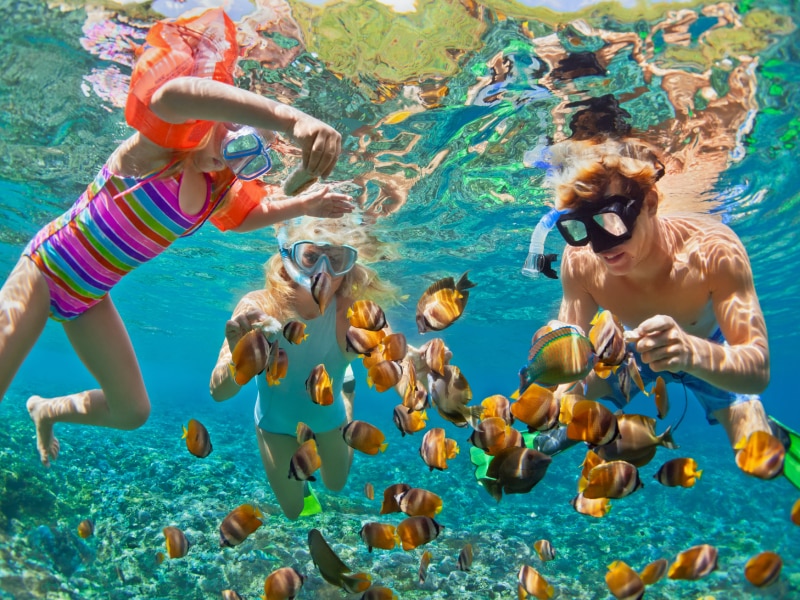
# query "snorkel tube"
(285, 248)
(537, 261)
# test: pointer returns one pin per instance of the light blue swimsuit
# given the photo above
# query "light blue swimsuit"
(279, 408)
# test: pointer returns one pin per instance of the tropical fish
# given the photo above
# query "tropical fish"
(389, 504)
(305, 462)
(198, 441)
(678, 472)
(304, 433)
(593, 507)
(416, 502)
(561, 356)
(240, 522)
(369, 491)
(416, 531)
(322, 290)
(379, 593)
(424, 562)
(295, 332)
(277, 366)
(490, 435)
(694, 563)
(86, 528)
(627, 375)
(331, 567)
(515, 471)
(249, 356)
(434, 449)
(531, 582)
(298, 181)
(795, 514)
(760, 455)
(363, 341)
(378, 535)
(231, 595)
(653, 572)
(607, 338)
(623, 582)
(537, 407)
(497, 406)
(590, 461)
(408, 422)
(364, 437)
(160, 558)
(659, 392)
(614, 479)
(434, 353)
(386, 374)
(283, 584)
(514, 438)
(374, 357)
(443, 303)
(464, 562)
(589, 421)
(366, 314)
(319, 386)
(637, 441)
(450, 394)
(177, 544)
(544, 549)
(395, 346)
(763, 569)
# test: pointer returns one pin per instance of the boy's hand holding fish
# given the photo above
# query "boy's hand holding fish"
(663, 344)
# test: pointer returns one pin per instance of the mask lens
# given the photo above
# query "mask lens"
(612, 223)
(340, 259)
(243, 145)
(574, 231)
(255, 167)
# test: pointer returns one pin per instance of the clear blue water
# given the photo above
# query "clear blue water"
(470, 209)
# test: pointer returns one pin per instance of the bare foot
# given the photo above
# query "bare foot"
(46, 442)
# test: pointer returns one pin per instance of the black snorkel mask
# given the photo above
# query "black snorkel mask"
(604, 224)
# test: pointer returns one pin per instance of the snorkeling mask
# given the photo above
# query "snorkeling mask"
(303, 259)
(246, 152)
(604, 224)
(537, 261)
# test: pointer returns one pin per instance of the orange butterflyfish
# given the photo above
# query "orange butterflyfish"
(532, 583)
(694, 563)
(424, 563)
(795, 514)
(590, 461)
(319, 386)
(177, 544)
(378, 535)
(490, 435)
(295, 332)
(545, 550)
(386, 374)
(497, 406)
(408, 422)
(614, 479)
(395, 346)
(364, 437)
(654, 572)
(198, 441)
(623, 582)
(373, 358)
(369, 491)
(514, 438)
(249, 356)
(322, 290)
(660, 396)
(331, 567)
(433, 449)
(637, 441)
(305, 461)
(607, 337)
(417, 502)
(450, 448)
(678, 472)
(434, 352)
(231, 595)
(304, 433)
(592, 507)
(389, 504)
(379, 592)
(451, 394)
(442, 303)
(86, 528)
(277, 366)
(760, 455)
(763, 569)
(366, 314)
(590, 422)
(514, 471)
(416, 531)
(363, 341)
(283, 584)
(627, 375)
(537, 407)
(240, 522)
(563, 355)
(465, 558)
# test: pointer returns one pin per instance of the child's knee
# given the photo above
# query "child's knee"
(137, 414)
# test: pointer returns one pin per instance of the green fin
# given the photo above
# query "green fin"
(791, 464)
(528, 437)
(311, 505)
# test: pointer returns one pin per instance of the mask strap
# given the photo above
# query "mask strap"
(537, 261)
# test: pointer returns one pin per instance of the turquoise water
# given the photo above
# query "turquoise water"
(453, 186)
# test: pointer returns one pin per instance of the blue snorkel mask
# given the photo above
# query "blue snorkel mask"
(305, 258)
(246, 152)
(537, 261)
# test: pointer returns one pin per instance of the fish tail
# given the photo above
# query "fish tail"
(383, 446)
(493, 487)
(698, 474)
(474, 415)
(666, 439)
(464, 283)
(185, 432)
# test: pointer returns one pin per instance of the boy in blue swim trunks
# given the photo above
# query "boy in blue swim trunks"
(682, 284)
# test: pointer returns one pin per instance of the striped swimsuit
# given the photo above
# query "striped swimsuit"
(111, 229)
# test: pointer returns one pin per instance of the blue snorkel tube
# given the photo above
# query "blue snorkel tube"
(537, 261)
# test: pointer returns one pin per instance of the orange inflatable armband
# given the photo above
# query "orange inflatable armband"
(201, 46)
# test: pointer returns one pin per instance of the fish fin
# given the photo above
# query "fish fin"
(741, 443)
(311, 478)
(424, 416)
(185, 432)
(464, 283)
(666, 439)
(514, 395)
(473, 416)
(350, 312)
(603, 371)
(698, 474)
(493, 487)
(370, 382)
(232, 369)
(521, 593)
(383, 446)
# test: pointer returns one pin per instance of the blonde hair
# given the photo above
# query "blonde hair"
(361, 282)
(584, 169)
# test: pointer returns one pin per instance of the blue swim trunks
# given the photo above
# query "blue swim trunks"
(710, 397)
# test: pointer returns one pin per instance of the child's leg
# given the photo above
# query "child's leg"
(742, 419)
(336, 457)
(276, 454)
(24, 307)
(101, 342)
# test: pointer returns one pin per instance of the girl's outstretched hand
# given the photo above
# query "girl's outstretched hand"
(236, 328)
(321, 144)
(326, 203)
